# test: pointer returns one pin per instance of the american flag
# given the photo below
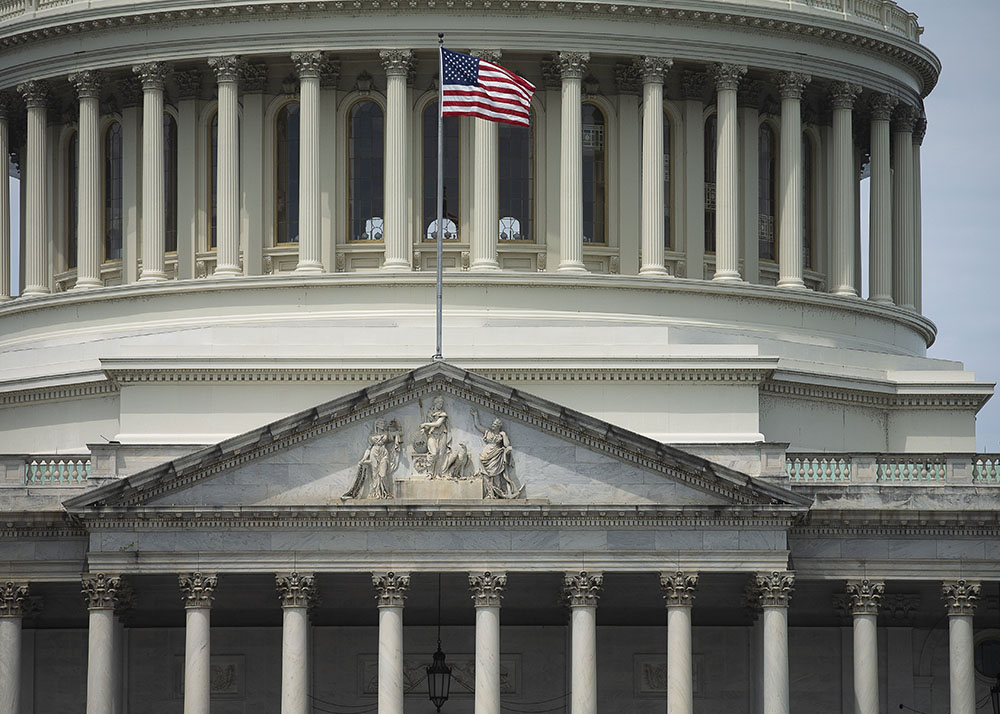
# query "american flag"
(477, 88)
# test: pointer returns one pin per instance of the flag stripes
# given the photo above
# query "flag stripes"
(477, 88)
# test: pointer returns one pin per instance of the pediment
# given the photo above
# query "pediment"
(437, 434)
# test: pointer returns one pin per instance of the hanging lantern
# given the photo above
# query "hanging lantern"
(994, 694)
(438, 679)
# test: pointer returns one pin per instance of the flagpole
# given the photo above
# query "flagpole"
(438, 356)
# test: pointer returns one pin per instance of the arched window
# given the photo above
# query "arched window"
(451, 174)
(113, 192)
(807, 202)
(170, 182)
(365, 170)
(595, 205)
(72, 198)
(711, 139)
(213, 181)
(666, 180)
(286, 162)
(766, 153)
(517, 182)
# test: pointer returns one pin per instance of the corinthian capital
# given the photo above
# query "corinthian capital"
(791, 84)
(12, 597)
(843, 94)
(774, 589)
(919, 130)
(153, 75)
(572, 65)
(391, 588)
(198, 589)
(296, 589)
(583, 589)
(654, 69)
(309, 65)
(397, 63)
(905, 117)
(960, 596)
(228, 68)
(87, 83)
(865, 596)
(35, 93)
(881, 106)
(728, 76)
(102, 591)
(7, 105)
(678, 588)
(487, 588)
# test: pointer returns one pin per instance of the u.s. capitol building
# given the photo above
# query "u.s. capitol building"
(678, 458)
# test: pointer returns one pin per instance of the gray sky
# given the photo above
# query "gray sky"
(959, 163)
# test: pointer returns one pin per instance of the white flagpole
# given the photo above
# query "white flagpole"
(440, 192)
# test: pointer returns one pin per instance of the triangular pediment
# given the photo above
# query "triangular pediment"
(437, 434)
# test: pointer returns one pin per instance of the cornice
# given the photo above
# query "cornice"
(874, 398)
(36, 395)
(873, 38)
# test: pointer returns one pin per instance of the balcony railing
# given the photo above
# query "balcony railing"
(893, 469)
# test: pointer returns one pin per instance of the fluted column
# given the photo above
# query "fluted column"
(572, 67)
(653, 70)
(902, 206)
(487, 591)
(295, 591)
(843, 185)
(101, 592)
(36, 247)
(486, 197)
(880, 205)
(790, 216)
(390, 592)
(727, 218)
(5, 105)
(227, 73)
(397, 65)
(309, 66)
(960, 598)
(918, 241)
(89, 204)
(775, 590)
(865, 596)
(678, 591)
(12, 597)
(582, 590)
(198, 590)
(152, 75)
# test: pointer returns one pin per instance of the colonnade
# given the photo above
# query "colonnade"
(895, 198)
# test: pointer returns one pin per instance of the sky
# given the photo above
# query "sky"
(960, 191)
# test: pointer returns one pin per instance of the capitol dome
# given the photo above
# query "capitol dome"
(657, 363)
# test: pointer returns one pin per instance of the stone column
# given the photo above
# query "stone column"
(153, 75)
(582, 591)
(89, 204)
(693, 87)
(486, 197)
(390, 592)
(295, 591)
(678, 591)
(653, 71)
(188, 94)
(227, 73)
(775, 590)
(843, 181)
(5, 150)
(960, 600)
(727, 216)
(865, 596)
(790, 216)
(918, 288)
(36, 244)
(396, 233)
(101, 592)
(309, 66)
(902, 206)
(198, 590)
(572, 67)
(12, 597)
(880, 226)
(487, 590)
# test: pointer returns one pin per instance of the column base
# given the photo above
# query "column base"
(149, 276)
(846, 292)
(655, 271)
(87, 284)
(792, 284)
(572, 266)
(33, 291)
(227, 272)
(309, 267)
(397, 265)
(727, 277)
(486, 266)
(881, 300)
(5, 298)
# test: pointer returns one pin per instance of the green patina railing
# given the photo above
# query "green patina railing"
(809, 468)
(986, 468)
(56, 471)
(919, 469)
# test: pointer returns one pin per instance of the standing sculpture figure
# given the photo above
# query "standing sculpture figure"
(379, 462)
(495, 460)
(438, 438)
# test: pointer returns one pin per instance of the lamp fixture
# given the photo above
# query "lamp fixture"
(438, 673)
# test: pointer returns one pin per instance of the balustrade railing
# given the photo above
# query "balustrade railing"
(916, 468)
(818, 468)
(986, 468)
(893, 469)
(56, 471)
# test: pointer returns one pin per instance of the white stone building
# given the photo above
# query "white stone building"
(673, 461)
